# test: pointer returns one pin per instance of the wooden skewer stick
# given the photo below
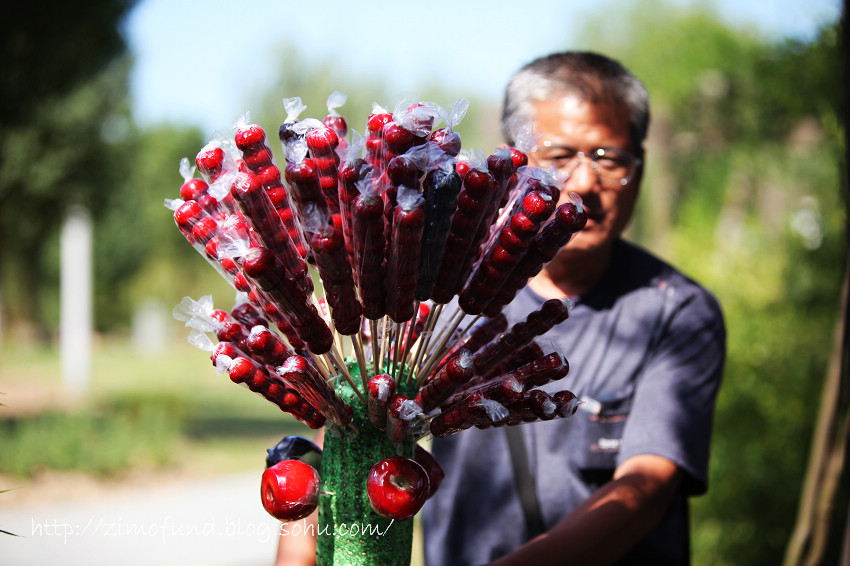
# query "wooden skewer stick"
(357, 343)
(408, 342)
(438, 352)
(320, 366)
(340, 363)
(373, 325)
(399, 332)
(446, 331)
(385, 337)
(428, 333)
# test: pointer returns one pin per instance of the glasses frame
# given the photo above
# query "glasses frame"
(592, 157)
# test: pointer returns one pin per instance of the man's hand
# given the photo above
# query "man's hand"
(297, 545)
(611, 521)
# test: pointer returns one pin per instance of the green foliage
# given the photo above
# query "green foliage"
(749, 141)
(63, 112)
(122, 434)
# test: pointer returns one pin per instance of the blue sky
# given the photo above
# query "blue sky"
(203, 62)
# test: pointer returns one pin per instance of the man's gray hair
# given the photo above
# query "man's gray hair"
(592, 77)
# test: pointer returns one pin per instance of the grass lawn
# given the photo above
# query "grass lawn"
(169, 409)
(145, 416)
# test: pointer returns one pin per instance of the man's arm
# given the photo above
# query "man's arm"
(611, 521)
(297, 540)
(297, 544)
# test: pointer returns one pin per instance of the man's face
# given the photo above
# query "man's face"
(587, 127)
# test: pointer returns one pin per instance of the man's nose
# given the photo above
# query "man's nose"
(584, 178)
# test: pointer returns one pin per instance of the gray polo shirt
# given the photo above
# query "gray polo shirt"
(646, 349)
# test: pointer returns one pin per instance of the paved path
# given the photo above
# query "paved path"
(216, 522)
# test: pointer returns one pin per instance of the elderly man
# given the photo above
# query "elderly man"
(646, 345)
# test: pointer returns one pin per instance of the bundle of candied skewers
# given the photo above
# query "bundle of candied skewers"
(418, 246)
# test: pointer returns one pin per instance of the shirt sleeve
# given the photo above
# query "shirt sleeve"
(673, 408)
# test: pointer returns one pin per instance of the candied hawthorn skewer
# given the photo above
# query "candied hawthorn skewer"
(257, 206)
(477, 188)
(550, 313)
(506, 251)
(534, 405)
(568, 220)
(271, 276)
(405, 247)
(374, 134)
(257, 155)
(353, 169)
(368, 232)
(328, 246)
(441, 187)
(500, 167)
(473, 410)
(242, 369)
(402, 170)
(526, 354)
(305, 188)
(449, 378)
(322, 142)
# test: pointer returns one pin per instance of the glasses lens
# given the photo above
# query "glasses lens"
(615, 167)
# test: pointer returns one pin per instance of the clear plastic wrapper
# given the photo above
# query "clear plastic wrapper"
(293, 108)
(271, 276)
(446, 137)
(380, 388)
(401, 411)
(302, 377)
(474, 410)
(334, 120)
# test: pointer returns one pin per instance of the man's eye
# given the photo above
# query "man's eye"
(608, 163)
(561, 155)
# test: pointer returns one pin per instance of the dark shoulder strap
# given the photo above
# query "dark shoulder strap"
(525, 484)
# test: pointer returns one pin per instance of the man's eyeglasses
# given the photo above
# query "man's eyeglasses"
(615, 167)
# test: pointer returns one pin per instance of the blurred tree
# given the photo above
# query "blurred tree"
(743, 191)
(64, 116)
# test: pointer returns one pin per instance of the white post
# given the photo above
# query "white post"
(75, 314)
